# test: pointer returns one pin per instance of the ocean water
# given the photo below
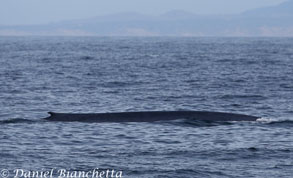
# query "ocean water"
(252, 76)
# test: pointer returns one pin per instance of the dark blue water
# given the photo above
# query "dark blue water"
(251, 76)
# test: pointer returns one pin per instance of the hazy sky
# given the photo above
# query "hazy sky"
(45, 11)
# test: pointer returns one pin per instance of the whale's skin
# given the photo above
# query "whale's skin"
(148, 116)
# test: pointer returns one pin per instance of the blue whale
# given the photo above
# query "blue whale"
(148, 116)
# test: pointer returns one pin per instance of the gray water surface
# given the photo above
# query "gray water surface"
(252, 76)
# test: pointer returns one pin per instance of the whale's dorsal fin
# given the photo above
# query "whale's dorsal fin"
(51, 113)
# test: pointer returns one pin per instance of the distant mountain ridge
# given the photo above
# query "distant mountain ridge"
(283, 9)
(267, 21)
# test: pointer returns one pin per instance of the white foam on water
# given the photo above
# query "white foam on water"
(264, 120)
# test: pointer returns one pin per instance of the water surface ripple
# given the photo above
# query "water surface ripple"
(251, 76)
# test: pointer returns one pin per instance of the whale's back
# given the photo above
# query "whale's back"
(149, 116)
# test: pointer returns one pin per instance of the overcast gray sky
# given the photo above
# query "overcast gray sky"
(45, 11)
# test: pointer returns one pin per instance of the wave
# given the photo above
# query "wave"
(285, 123)
(274, 122)
(202, 123)
(258, 97)
(15, 121)
(271, 121)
